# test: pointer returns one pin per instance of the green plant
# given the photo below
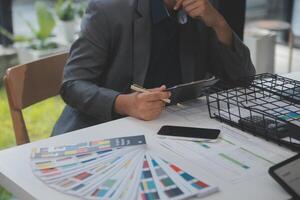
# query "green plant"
(66, 10)
(40, 37)
(81, 9)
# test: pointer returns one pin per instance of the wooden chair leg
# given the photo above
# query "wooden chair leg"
(19, 127)
(21, 134)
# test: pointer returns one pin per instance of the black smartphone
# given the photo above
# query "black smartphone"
(188, 133)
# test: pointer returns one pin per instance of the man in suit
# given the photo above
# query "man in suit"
(153, 43)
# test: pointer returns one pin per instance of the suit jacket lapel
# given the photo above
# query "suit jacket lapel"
(141, 41)
(187, 51)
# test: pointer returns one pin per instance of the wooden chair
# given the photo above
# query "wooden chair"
(31, 83)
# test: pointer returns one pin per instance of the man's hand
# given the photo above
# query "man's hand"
(145, 106)
(204, 10)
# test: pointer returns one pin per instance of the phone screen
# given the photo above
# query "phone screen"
(189, 132)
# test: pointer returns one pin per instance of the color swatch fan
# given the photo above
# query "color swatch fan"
(118, 168)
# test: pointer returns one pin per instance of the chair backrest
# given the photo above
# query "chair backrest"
(31, 83)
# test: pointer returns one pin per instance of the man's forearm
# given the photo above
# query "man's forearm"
(223, 32)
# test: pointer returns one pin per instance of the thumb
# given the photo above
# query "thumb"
(163, 87)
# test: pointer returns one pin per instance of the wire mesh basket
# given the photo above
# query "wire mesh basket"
(268, 107)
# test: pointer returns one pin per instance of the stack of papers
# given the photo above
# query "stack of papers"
(118, 168)
(236, 157)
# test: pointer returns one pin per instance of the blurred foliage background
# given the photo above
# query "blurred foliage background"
(39, 118)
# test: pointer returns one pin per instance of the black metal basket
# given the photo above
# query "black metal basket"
(266, 105)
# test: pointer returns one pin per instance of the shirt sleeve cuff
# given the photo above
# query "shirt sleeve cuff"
(108, 104)
(114, 114)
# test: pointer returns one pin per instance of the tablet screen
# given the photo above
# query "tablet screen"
(290, 174)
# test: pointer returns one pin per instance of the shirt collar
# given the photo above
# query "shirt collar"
(159, 12)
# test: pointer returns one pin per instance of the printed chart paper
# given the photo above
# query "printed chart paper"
(234, 158)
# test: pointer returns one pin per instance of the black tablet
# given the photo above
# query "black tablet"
(192, 90)
(287, 174)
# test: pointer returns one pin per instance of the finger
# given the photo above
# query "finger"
(186, 3)
(178, 4)
(191, 7)
(154, 105)
(161, 88)
(151, 114)
(155, 96)
(155, 113)
(157, 105)
(194, 13)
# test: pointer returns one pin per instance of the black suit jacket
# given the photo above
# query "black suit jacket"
(113, 52)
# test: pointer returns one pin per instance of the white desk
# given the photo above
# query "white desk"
(17, 177)
(295, 75)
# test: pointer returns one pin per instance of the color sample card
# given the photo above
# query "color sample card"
(118, 168)
(167, 187)
(85, 147)
(148, 189)
(176, 182)
(201, 187)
